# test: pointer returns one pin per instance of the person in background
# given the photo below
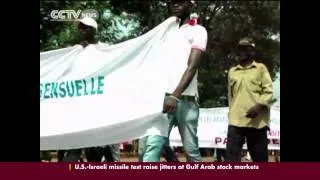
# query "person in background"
(250, 96)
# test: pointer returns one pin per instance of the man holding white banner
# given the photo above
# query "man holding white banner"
(181, 99)
(87, 28)
(250, 97)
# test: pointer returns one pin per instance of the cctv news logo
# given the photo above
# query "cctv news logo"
(73, 15)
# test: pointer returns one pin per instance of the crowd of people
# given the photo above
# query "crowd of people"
(249, 96)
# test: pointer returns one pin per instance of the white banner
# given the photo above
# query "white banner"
(104, 94)
(213, 127)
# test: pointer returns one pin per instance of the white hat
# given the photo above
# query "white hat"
(89, 22)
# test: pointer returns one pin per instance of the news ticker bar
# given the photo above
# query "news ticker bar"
(162, 166)
(141, 171)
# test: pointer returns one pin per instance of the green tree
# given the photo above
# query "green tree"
(226, 23)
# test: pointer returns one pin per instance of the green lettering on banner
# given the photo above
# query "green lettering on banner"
(46, 90)
(41, 86)
(93, 92)
(72, 88)
(62, 89)
(85, 87)
(70, 92)
(78, 87)
(54, 92)
(100, 84)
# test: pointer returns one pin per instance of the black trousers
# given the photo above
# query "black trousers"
(169, 154)
(93, 154)
(220, 153)
(60, 155)
(72, 155)
(257, 142)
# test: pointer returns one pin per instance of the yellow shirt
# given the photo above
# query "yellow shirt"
(248, 86)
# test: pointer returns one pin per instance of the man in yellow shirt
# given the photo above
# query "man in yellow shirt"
(250, 97)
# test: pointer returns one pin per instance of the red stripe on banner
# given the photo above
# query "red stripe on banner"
(79, 171)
